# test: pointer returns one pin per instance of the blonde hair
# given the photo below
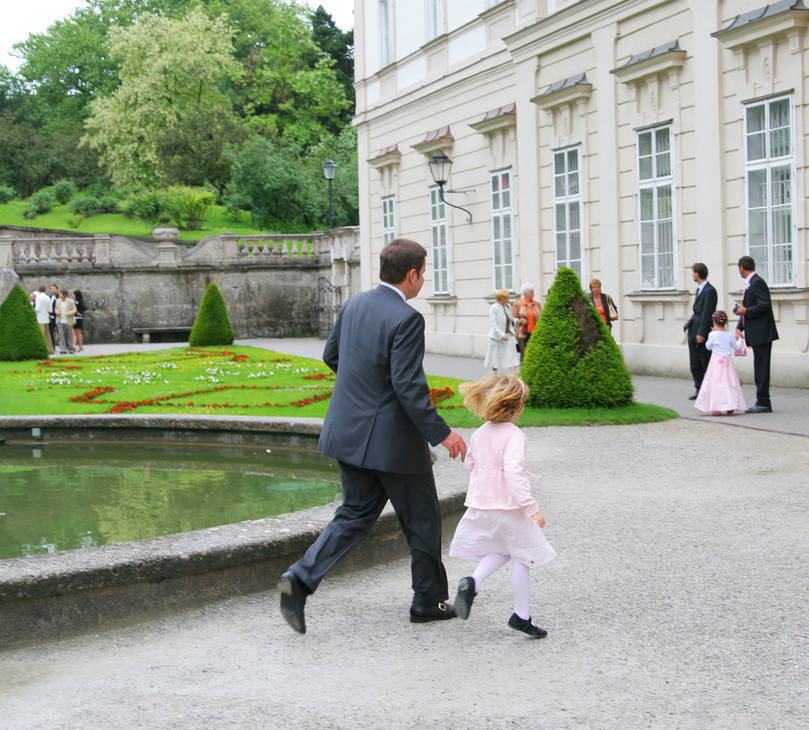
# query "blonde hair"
(496, 398)
(595, 282)
(502, 294)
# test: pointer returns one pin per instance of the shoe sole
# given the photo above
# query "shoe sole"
(528, 634)
(462, 605)
(288, 612)
(427, 619)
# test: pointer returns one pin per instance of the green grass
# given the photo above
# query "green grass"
(11, 214)
(230, 380)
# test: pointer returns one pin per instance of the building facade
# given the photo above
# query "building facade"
(625, 139)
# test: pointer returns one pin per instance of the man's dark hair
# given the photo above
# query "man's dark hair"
(701, 270)
(747, 263)
(42, 288)
(398, 257)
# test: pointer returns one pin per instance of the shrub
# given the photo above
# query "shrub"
(7, 193)
(20, 336)
(84, 205)
(144, 205)
(571, 360)
(75, 220)
(212, 326)
(186, 206)
(39, 203)
(64, 190)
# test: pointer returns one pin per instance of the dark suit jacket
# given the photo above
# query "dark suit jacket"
(380, 416)
(704, 306)
(758, 324)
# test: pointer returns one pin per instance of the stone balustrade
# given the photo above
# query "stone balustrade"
(55, 250)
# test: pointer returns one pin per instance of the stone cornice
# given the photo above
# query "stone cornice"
(758, 25)
(650, 63)
(501, 118)
(438, 139)
(384, 158)
(569, 91)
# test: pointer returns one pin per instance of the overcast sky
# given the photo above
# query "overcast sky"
(20, 19)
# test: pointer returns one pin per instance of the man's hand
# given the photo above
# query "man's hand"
(700, 339)
(739, 334)
(455, 444)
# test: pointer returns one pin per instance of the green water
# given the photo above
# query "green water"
(66, 496)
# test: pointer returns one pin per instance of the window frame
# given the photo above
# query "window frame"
(439, 222)
(388, 219)
(566, 200)
(435, 18)
(503, 273)
(385, 8)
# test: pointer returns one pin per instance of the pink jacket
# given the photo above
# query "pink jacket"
(495, 461)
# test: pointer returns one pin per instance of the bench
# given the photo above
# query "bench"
(164, 334)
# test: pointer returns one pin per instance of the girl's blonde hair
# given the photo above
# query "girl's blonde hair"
(496, 398)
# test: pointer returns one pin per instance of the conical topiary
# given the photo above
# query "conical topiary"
(212, 326)
(20, 336)
(572, 360)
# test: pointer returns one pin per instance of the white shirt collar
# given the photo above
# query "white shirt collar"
(701, 287)
(395, 288)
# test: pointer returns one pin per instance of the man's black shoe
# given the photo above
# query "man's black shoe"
(521, 624)
(694, 395)
(465, 596)
(759, 409)
(435, 612)
(293, 599)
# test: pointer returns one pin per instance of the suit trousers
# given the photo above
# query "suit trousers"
(761, 372)
(699, 356)
(365, 492)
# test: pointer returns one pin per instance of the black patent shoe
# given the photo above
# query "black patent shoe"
(520, 624)
(420, 614)
(465, 596)
(293, 599)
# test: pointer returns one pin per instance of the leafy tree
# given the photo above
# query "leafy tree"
(571, 360)
(212, 326)
(338, 45)
(171, 73)
(20, 335)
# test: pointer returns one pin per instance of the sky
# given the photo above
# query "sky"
(20, 19)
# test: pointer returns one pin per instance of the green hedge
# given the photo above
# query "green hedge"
(212, 326)
(572, 360)
(20, 336)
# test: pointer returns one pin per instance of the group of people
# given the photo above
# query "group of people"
(710, 346)
(61, 318)
(511, 329)
(378, 426)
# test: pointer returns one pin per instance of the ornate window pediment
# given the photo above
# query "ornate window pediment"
(641, 66)
(788, 16)
(438, 139)
(496, 120)
(568, 91)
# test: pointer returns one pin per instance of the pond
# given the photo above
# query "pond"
(61, 496)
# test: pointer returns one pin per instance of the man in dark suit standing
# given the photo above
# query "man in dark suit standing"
(699, 325)
(379, 422)
(757, 322)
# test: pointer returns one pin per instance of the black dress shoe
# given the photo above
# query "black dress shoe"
(420, 614)
(694, 395)
(759, 409)
(520, 624)
(293, 599)
(465, 596)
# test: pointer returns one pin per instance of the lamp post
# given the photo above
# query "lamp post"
(440, 165)
(329, 167)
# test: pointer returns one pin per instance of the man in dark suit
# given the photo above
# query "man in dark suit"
(377, 427)
(757, 322)
(699, 325)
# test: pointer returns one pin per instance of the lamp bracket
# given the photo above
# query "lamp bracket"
(452, 205)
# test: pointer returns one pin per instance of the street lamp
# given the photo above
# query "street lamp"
(440, 165)
(329, 168)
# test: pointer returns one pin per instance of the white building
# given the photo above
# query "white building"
(626, 139)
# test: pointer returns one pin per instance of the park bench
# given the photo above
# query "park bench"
(163, 334)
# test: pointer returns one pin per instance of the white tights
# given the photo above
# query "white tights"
(519, 580)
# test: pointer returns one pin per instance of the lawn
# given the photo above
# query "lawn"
(231, 380)
(11, 214)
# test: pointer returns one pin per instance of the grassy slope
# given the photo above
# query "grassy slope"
(235, 380)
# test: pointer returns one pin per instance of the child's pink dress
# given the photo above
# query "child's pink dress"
(720, 389)
(499, 500)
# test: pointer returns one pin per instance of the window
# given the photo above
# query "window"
(385, 35)
(567, 208)
(656, 208)
(388, 219)
(434, 20)
(438, 223)
(502, 230)
(769, 157)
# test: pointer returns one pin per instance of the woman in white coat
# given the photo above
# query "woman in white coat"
(502, 353)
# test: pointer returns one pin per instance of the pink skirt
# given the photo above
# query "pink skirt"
(720, 389)
(510, 532)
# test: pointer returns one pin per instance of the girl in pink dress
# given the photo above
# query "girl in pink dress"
(502, 521)
(721, 392)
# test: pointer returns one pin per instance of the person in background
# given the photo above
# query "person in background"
(42, 309)
(526, 314)
(78, 326)
(502, 353)
(65, 318)
(720, 391)
(603, 303)
(54, 295)
(699, 325)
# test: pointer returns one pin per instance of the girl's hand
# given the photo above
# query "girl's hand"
(537, 519)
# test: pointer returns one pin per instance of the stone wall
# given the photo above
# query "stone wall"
(282, 286)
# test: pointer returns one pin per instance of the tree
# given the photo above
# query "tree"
(171, 73)
(20, 335)
(212, 326)
(571, 360)
(339, 46)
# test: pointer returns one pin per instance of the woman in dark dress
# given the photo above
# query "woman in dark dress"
(78, 327)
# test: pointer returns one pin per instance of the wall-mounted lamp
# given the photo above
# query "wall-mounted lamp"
(329, 167)
(440, 166)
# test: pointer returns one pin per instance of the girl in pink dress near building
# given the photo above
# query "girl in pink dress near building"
(720, 391)
(502, 521)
